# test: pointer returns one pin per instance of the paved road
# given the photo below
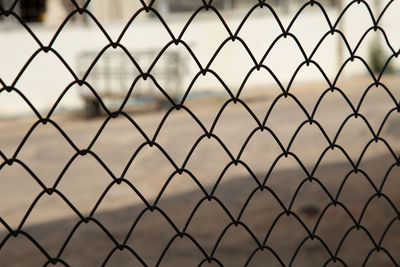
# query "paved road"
(46, 151)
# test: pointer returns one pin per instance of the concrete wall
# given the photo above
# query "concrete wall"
(45, 78)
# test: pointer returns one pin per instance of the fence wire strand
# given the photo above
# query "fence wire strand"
(209, 133)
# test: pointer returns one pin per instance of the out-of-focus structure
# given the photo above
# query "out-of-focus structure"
(45, 18)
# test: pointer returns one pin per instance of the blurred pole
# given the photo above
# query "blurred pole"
(340, 40)
(228, 5)
(164, 7)
(377, 8)
(285, 6)
(376, 43)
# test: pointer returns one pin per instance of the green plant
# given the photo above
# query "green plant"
(377, 59)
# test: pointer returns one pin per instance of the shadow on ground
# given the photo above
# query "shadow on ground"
(232, 245)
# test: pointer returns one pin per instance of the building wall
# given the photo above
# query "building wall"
(45, 78)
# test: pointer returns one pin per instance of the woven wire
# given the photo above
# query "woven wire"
(234, 36)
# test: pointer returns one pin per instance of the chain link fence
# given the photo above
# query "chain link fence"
(309, 187)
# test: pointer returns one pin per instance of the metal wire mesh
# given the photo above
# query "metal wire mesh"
(260, 244)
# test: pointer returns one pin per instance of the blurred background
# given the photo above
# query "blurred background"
(81, 41)
(335, 137)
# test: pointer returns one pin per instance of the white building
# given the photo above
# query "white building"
(43, 81)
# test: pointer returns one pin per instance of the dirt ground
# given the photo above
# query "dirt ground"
(46, 153)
